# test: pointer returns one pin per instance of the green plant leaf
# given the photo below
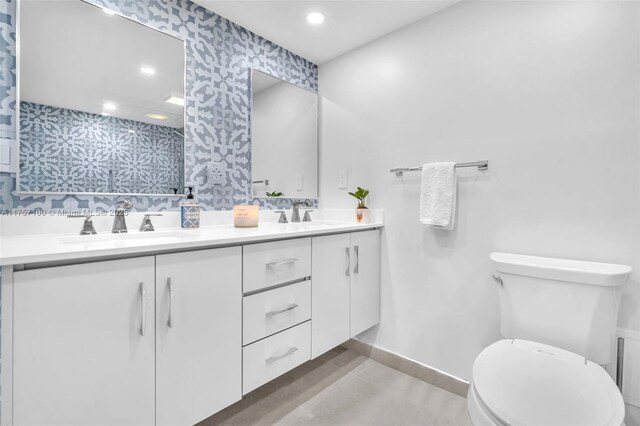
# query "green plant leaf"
(360, 194)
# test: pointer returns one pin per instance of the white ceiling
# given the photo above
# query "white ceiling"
(75, 56)
(348, 23)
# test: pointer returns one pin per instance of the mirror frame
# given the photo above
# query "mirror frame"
(17, 114)
(317, 150)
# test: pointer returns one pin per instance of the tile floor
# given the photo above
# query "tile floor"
(344, 388)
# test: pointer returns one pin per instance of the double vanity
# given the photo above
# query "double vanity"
(171, 326)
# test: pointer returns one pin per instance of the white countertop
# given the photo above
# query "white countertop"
(38, 248)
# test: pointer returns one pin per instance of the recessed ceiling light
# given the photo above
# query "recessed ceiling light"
(108, 12)
(147, 70)
(315, 18)
(109, 106)
(156, 116)
(175, 100)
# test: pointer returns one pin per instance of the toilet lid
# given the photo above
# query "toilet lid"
(528, 383)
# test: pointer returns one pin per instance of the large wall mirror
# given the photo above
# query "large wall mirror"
(284, 137)
(101, 102)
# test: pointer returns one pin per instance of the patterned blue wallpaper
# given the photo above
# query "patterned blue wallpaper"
(62, 150)
(219, 57)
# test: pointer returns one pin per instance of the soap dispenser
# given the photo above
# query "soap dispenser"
(190, 211)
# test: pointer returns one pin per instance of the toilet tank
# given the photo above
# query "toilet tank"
(569, 304)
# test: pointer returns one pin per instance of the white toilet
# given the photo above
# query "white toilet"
(558, 318)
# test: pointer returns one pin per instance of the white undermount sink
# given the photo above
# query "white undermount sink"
(165, 236)
(308, 225)
(296, 226)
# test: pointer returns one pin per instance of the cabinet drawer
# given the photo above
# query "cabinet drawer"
(274, 310)
(267, 264)
(269, 358)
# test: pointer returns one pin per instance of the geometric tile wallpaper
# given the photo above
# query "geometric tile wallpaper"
(219, 56)
(62, 150)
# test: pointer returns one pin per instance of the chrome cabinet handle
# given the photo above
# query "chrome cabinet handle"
(356, 252)
(288, 308)
(348, 253)
(284, 262)
(276, 358)
(170, 286)
(143, 308)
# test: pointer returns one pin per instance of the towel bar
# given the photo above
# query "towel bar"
(481, 165)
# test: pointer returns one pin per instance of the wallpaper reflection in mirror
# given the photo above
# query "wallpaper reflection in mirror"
(102, 101)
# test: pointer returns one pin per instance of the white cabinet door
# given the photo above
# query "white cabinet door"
(84, 344)
(365, 280)
(330, 292)
(199, 334)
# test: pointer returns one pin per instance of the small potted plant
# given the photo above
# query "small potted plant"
(362, 212)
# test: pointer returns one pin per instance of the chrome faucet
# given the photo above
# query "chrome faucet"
(283, 216)
(147, 226)
(119, 224)
(295, 215)
(87, 225)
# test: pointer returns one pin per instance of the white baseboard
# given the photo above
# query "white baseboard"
(413, 368)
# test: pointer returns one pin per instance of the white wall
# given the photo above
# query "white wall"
(284, 129)
(548, 92)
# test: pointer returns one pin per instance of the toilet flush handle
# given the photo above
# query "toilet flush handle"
(497, 279)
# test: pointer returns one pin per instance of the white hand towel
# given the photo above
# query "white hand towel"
(438, 195)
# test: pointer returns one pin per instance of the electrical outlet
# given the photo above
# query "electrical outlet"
(343, 180)
(215, 173)
(299, 183)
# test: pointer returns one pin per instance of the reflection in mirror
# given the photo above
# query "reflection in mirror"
(284, 135)
(101, 102)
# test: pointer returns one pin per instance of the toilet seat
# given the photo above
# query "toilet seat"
(521, 382)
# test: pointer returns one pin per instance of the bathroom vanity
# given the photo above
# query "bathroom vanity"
(165, 327)
(171, 327)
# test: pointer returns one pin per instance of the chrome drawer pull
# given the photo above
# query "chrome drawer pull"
(284, 262)
(356, 250)
(288, 308)
(170, 319)
(143, 308)
(278, 357)
(348, 253)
